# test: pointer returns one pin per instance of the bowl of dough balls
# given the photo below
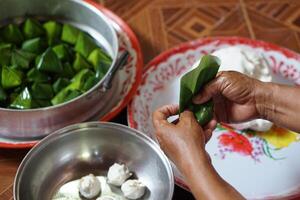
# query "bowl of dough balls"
(95, 161)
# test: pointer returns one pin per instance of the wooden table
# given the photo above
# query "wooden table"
(162, 24)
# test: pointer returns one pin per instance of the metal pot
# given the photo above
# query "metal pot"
(36, 123)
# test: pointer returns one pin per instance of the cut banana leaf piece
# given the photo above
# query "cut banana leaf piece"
(90, 82)
(12, 34)
(42, 103)
(102, 69)
(23, 100)
(42, 91)
(5, 54)
(192, 83)
(49, 62)
(72, 95)
(68, 71)
(10, 78)
(36, 45)
(80, 78)
(35, 75)
(53, 32)
(69, 34)
(32, 29)
(101, 62)
(85, 44)
(21, 58)
(98, 55)
(3, 95)
(80, 63)
(60, 84)
(62, 52)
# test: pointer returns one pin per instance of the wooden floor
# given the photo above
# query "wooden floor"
(162, 24)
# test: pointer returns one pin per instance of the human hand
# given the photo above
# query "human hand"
(183, 142)
(236, 97)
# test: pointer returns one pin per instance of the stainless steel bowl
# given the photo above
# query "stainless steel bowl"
(35, 123)
(93, 147)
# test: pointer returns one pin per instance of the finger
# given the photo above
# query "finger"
(162, 113)
(187, 116)
(210, 89)
(208, 134)
(212, 124)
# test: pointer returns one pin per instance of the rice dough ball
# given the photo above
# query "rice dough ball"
(133, 189)
(89, 186)
(118, 174)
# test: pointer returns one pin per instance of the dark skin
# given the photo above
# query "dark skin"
(237, 98)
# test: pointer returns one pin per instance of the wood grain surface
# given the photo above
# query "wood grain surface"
(162, 24)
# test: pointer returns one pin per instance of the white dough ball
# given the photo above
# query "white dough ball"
(133, 189)
(89, 186)
(118, 174)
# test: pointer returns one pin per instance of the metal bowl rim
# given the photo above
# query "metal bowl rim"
(61, 132)
(95, 87)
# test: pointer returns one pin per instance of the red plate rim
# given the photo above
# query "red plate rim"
(126, 100)
(153, 64)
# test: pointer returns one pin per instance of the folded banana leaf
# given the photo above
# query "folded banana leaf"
(192, 83)
(5, 54)
(21, 58)
(63, 52)
(49, 62)
(35, 45)
(69, 34)
(85, 44)
(10, 77)
(59, 84)
(32, 29)
(53, 32)
(23, 100)
(42, 91)
(80, 63)
(101, 62)
(36, 76)
(12, 34)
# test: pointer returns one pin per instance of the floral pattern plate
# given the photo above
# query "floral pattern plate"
(127, 78)
(259, 165)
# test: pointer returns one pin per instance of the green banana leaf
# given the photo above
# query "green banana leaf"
(59, 84)
(10, 77)
(35, 45)
(23, 100)
(53, 32)
(34, 75)
(32, 29)
(69, 34)
(12, 34)
(80, 63)
(63, 52)
(49, 62)
(42, 91)
(21, 58)
(85, 44)
(192, 83)
(5, 54)
(68, 71)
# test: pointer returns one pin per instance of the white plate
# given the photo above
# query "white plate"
(258, 166)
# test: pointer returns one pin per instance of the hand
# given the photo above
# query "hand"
(183, 142)
(235, 97)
